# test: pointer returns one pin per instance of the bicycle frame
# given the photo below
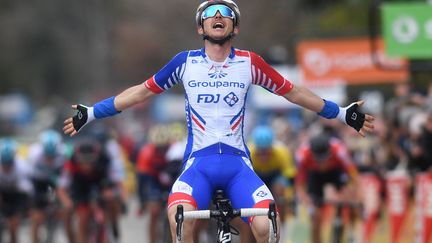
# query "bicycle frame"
(98, 228)
(224, 213)
(52, 216)
(338, 224)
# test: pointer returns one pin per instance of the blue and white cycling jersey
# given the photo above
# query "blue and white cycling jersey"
(216, 96)
(216, 156)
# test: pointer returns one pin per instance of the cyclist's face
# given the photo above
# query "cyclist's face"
(322, 158)
(87, 161)
(49, 160)
(86, 166)
(6, 168)
(264, 153)
(218, 27)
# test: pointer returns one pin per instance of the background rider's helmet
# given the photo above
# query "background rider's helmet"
(232, 5)
(263, 137)
(8, 148)
(87, 151)
(320, 146)
(51, 141)
(100, 132)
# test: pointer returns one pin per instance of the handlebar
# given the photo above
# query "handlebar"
(207, 214)
(226, 215)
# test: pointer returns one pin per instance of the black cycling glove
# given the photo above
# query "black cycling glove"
(83, 116)
(353, 117)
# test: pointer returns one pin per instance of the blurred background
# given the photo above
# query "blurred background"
(54, 53)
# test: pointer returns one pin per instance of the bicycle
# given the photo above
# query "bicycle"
(223, 214)
(52, 216)
(98, 232)
(337, 223)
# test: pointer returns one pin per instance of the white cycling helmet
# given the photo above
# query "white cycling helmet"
(232, 5)
(50, 141)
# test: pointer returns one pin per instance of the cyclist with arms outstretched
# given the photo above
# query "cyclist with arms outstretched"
(216, 80)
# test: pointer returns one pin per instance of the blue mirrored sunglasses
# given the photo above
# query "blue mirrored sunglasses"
(212, 10)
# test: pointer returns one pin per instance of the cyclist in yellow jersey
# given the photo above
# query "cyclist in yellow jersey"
(274, 164)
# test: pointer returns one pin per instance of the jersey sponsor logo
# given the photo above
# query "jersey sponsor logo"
(235, 62)
(194, 61)
(224, 237)
(216, 71)
(215, 84)
(231, 99)
(208, 98)
(180, 186)
(217, 74)
(262, 193)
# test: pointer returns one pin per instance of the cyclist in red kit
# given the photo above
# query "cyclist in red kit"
(324, 160)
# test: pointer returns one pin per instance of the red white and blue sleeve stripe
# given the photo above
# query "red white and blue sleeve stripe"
(265, 76)
(170, 75)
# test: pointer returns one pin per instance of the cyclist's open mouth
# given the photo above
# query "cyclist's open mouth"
(218, 25)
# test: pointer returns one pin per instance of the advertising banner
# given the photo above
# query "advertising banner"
(323, 61)
(397, 187)
(423, 202)
(407, 29)
(370, 192)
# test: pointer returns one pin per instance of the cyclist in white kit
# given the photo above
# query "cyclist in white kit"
(216, 80)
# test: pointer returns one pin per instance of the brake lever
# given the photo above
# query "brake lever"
(179, 218)
(272, 216)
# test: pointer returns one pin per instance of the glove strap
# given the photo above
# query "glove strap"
(342, 114)
(105, 108)
(83, 116)
(330, 110)
(353, 117)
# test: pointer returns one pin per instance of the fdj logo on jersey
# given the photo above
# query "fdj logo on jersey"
(231, 99)
(261, 194)
(208, 98)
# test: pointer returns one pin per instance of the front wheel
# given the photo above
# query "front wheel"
(272, 235)
(337, 231)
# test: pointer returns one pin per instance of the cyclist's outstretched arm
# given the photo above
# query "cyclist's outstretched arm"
(305, 98)
(106, 108)
(349, 115)
(132, 96)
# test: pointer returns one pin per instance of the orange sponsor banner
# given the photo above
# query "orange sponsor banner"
(349, 60)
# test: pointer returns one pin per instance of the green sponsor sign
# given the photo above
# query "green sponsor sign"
(408, 29)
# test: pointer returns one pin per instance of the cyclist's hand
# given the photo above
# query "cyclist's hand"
(83, 116)
(360, 121)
